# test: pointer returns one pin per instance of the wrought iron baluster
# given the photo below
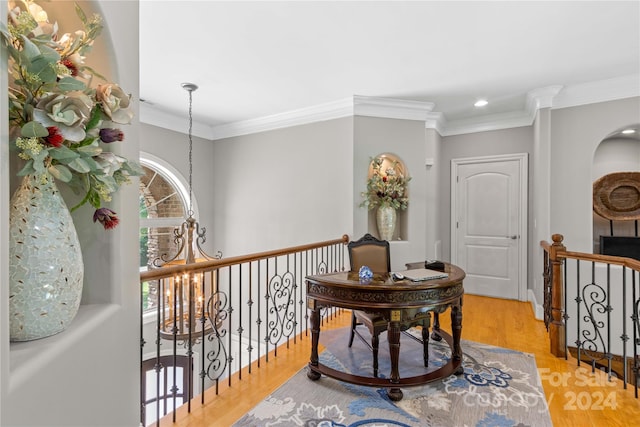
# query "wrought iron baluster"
(624, 337)
(578, 318)
(636, 331)
(266, 299)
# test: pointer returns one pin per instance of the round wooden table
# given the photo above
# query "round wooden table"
(391, 299)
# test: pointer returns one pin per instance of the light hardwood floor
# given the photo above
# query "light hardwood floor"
(575, 396)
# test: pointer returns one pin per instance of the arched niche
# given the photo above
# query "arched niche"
(618, 152)
(401, 231)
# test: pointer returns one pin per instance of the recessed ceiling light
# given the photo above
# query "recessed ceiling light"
(481, 103)
(628, 131)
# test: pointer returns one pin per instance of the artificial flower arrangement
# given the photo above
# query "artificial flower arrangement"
(386, 187)
(59, 124)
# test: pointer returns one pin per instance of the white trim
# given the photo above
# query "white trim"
(522, 158)
(536, 99)
(154, 116)
(317, 113)
(538, 310)
(490, 122)
(391, 108)
(554, 96)
(541, 98)
(436, 121)
(599, 91)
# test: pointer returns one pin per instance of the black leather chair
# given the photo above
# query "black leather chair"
(375, 254)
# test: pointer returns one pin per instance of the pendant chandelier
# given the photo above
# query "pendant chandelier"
(185, 302)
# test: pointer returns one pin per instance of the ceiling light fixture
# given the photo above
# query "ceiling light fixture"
(628, 131)
(481, 103)
(185, 302)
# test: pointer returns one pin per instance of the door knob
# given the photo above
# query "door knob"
(514, 237)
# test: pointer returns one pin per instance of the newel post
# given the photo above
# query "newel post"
(557, 325)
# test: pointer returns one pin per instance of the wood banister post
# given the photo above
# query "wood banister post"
(557, 325)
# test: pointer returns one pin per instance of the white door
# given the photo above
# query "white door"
(489, 211)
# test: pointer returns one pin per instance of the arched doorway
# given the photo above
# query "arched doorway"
(618, 152)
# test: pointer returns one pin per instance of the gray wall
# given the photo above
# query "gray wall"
(576, 132)
(283, 187)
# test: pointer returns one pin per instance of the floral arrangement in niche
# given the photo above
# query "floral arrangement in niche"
(59, 123)
(386, 187)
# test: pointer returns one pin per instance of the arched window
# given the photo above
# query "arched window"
(164, 202)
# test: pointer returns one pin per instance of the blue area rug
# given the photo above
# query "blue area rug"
(499, 387)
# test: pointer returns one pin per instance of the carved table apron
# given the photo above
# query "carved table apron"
(393, 300)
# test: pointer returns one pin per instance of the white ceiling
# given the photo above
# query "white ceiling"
(257, 59)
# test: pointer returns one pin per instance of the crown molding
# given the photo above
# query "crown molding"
(598, 91)
(554, 97)
(541, 98)
(437, 121)
(316, 113)
(487, 122)
(391, 108)
(160, 118)
(354, 106)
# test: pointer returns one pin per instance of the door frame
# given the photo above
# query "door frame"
(522, 159)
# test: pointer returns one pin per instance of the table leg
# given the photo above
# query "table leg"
(425, 345)
(435, 335)
(393, 336)
(456, 332)
(315, 338)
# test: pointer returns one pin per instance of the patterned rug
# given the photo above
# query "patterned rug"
(499, 387)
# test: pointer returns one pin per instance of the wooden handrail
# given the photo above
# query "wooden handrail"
(228, 312)
(557, 253)
(609, 259)
(214, 264)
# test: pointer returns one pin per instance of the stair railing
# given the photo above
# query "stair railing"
(211, 318)
(591, 309)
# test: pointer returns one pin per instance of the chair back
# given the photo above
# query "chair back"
(370, 251)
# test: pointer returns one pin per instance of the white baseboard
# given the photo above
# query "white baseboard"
(538, 309)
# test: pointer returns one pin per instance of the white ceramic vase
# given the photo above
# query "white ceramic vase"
(45, 261)
(386, 220)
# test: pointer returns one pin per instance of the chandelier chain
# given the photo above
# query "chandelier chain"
(190, 213)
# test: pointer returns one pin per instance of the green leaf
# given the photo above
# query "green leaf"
(14, 53)
(93, 165)
(67, 84)
(87, 141)
(95, 73)
(60, 172)
(81, 15)
(109, 182)
(90, 150)
(77, 183)
(94, 199)
(38, 161)
(41, 67)
(30, 50)
(96, 115)
(27, 169)
(63, 153)
(34, 129)
(51, 55)
(133, 168)
(79, 165)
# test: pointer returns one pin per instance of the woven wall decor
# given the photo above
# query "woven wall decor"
(616, 196)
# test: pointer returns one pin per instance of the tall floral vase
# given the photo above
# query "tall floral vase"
(45, 265)
(386, 221)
